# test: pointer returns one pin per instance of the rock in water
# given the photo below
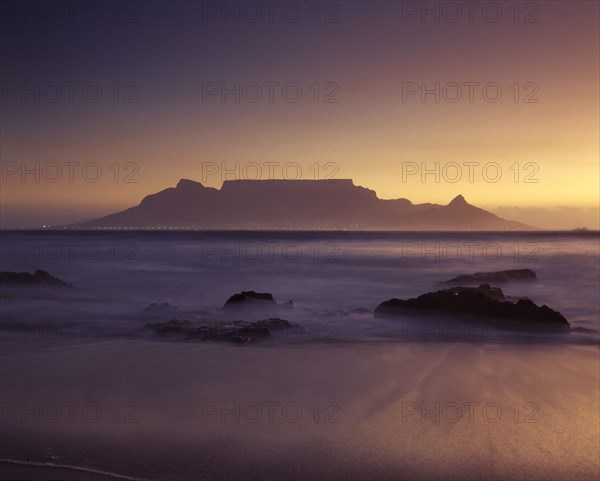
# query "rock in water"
(229, 331)
(241, 333)
(38, 279)
(485, 289)
(499, 277)
(174, 326)
(256, 300)
(482, 303)
(163, 309)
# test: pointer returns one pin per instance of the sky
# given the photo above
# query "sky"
(103, 103)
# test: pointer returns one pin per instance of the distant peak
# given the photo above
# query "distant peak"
(458, 200)
(183, 183)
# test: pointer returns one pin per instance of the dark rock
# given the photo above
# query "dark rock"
(257, 300)
(241, 333)
(174, 326)
(232, 331)
(38, 279)
(274, 323)
(250, 297)
(499, 277)
(485, 289)
(482, 303)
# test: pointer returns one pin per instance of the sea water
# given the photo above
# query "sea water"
(349, 396)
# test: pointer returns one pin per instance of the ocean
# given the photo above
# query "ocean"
(88, 391)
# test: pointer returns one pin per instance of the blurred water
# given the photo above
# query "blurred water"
(327, 275)
(137, 407)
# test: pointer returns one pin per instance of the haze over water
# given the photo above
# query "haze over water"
(348, 397)
(121, 273)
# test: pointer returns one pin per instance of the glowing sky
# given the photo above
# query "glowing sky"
(171, 56)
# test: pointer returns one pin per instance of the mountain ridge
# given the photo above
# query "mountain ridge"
(334, 204)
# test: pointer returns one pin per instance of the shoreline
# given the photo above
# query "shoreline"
(380, 411)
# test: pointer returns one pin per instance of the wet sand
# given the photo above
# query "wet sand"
(365, 410)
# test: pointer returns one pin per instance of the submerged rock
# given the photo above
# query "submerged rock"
(359, 311)
(38, 279)
(482, 303)
(256, 300)
(174, 326)
(156, 309)
(231, 331)
(498, 277)
(250, 332)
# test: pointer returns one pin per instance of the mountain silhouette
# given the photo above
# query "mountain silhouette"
(297, 205)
